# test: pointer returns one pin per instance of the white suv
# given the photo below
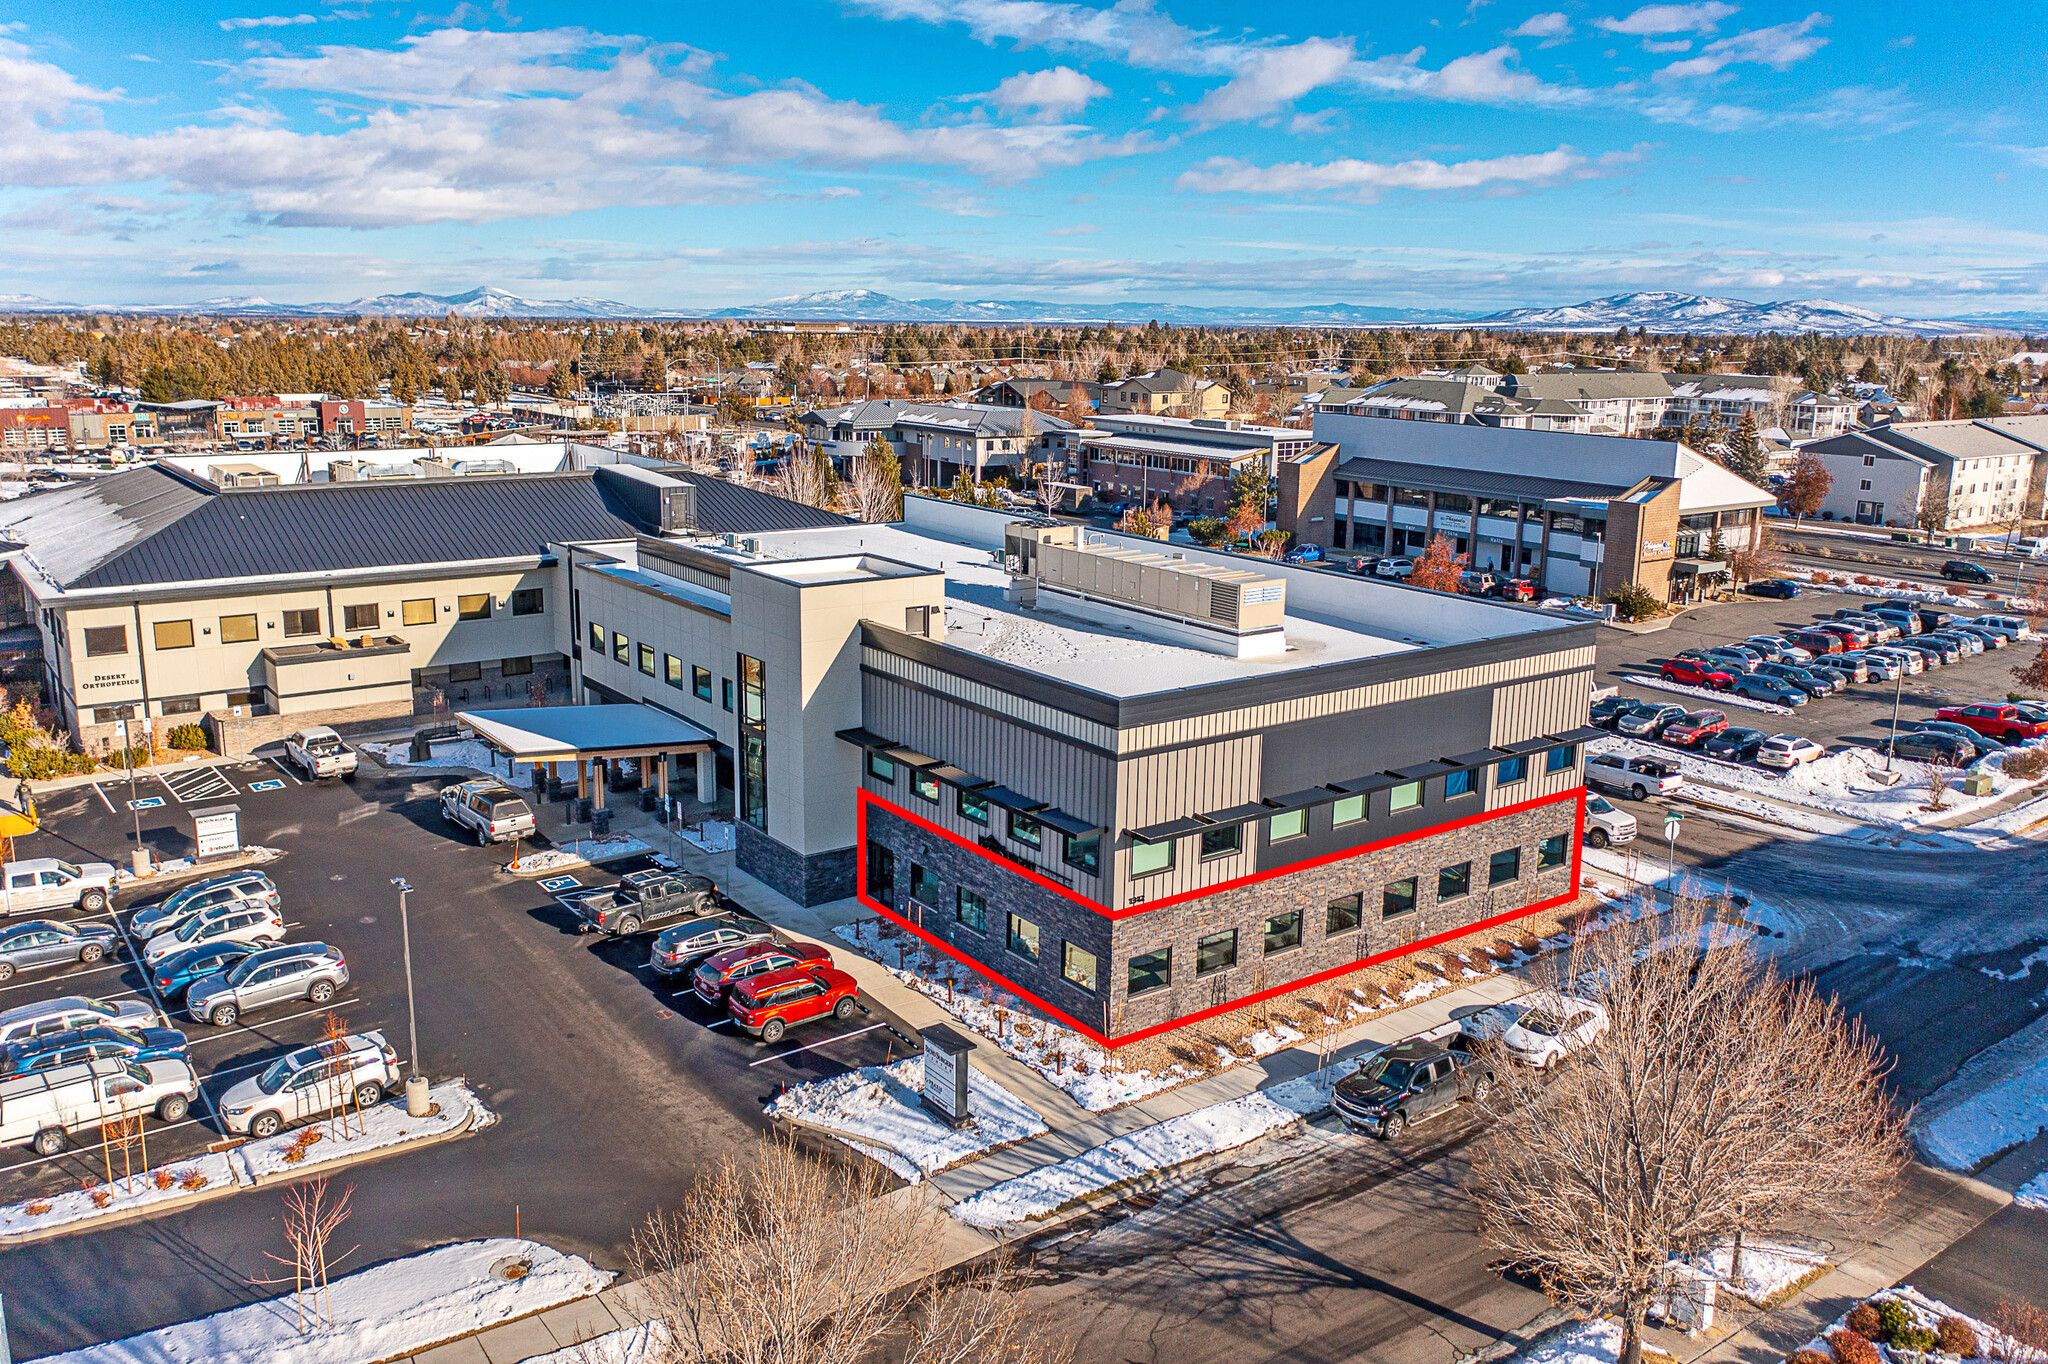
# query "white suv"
(236, 921)
(359, 1069)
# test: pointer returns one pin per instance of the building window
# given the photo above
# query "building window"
(104, 640)
(924, 887)
(305, 621)
(753, 801)
(970, 909)
(247, 699)
(1406, 796)
(1152, 971)
(1083, 852)
(1023, 938)
(1550, 853)
(519, 666)
(622, 648)
(1397, 899)
(1026, 830)
(926, 785)
(700, 683)
(107, 715)
(1148, 858)
(1458, 784)
(1454, 882)
(1349, 810)
(881, 874)
(647, 659)
(1217, 952)
(359, 616)
(182, 705)
(1505, 865)
(1863, 485)
(881, 768)
(527, 601)
(1077, 967)
(173, 634)
(1561, 759)
(1283, 932)
(1221, 842)
(971, 806)
(465, 672)
(473, 606)
(672, 670)
(1510, 771)
(420, 611)
(596, 637)
(1287, 824)
(1343, 915)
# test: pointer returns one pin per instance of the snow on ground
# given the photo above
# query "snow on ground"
(452, 753)
(2018, 819)
(1190, 1136)
(1756, 807)
(1885, 587)
(1928, 1312)
(876, 1108)
(642, 1344)
(375, 1129)
(1720, 699)
(1997, 1100)
(1768, 1267)
(713, 835)
(253, 854)
(580, 852)
(396, 1309)
(181, 1179)
(1582, 1342)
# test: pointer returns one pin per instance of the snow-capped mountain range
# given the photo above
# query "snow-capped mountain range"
(1661, 312)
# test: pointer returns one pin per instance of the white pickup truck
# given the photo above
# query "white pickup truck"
(41, 1109)
(489, 809)
(319, 752)
(45, 883)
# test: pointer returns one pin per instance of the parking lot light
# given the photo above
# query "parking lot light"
(416, 1105)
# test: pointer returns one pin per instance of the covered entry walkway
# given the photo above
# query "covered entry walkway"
(594, 738)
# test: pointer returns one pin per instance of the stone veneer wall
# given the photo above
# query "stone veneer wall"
(811, 880)
(1247, 908)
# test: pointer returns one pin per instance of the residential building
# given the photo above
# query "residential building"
(1166, 392)
(1616, 402)
(1771, 400)
(1457, 401)
(1578, 514)
(1990, 470)
(1028, 392)
(34, 429)
(936, 442)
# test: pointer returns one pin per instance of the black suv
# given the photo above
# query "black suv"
(1963, 571)
(1926, 745)
(1406, 1083)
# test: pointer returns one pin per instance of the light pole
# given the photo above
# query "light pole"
(1898, 693)
(415, 1083)
(139, 860)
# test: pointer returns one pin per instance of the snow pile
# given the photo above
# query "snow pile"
(183, 1179)
(1768, 1267)
(1582, 1342)
(579, 853)
(876, 1110)
(713, 835)
(252, 854)
(1928, 1312)
(374, 1129)
(1190, 1136)
(2033, 1193)
(396, 1309)
(1719, 698)
(1887, 587)
(1998, 1100)
(463, 753)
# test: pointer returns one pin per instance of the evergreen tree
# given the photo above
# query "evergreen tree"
(1746, 452)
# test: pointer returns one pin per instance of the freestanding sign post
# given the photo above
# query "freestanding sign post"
(217, 831)
(945, 1074)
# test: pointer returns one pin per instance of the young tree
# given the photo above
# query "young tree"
(1933, 512)
(878, 483)
(1250, 488)
(1807, 488)
(1758, 559)
(1722, 1098)
(1440, 566)
(807, 477)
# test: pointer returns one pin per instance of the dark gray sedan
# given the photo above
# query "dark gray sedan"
(44, 942)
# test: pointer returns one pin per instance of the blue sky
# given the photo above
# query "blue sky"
(1422, 155)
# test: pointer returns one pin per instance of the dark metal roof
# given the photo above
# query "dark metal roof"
(728, 509)
(863, 738)
(1172, 828)
(1477, 482)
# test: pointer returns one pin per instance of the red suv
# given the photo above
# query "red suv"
(1690, 731)
(1994, 720)
(1694, 672)
(714, 979)
(1516, 589)
(769, 1006)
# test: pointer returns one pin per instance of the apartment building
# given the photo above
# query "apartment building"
(1616, 402)
(1771, 400)
(1165, 392)
(1989, 471)
(936, 442)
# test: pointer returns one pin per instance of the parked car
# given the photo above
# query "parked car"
(1608, 709)
(1689, 731)
(239, 922)
(45, 942)
(644, 899)
(1738, 656)
(1398, 567)
(78, 1045)
(1761, 687)
(1852, 636)
(1994, 719)
(1408, 1083)
(1607, 826)
(1877, 666)
(45, 883)
(1817, 642)
(714, 978)
(1788, 751)
(677, 949)
(2012, 627)
(1963, 571)
(1303, 554)
(1515, 589)
(251, 887)
(41, 1109)
(1881, 630)
(1647, 721)
(75, 1011)
(1967, 645)
(769, 1005)
(1848, 666)
(357, 1070)
(311, 971)
(1907, 621)
(1980, 745)
(1991, 639)
(176, 973)
(2035, 711)
(1932, 746)
(489, 809)
(1933, 650)
(1735, 745)
(1696, 672)
(1782, 588)
(1553, 1027)
(1787, 651)
(1911, 661)
(1637, 776)
(1812, 682)
(1934, 618)
(319, 752)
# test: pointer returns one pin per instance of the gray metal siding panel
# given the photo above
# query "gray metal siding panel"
(1184, 781)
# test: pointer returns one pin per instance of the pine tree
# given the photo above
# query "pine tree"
(1746, 452)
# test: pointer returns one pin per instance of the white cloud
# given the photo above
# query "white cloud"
(1777, 47)
(1272, 78)
(1493, 78)
(1553, 24)
(1072, 230)
(268, 21)
(1132, 32)
(1652, 45)
(1059, 93)
(1654, 20)
(141, 57)
(1365, 181)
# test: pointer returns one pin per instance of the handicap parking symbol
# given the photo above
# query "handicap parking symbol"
(272, 785)
(146, 803)
(555, 885)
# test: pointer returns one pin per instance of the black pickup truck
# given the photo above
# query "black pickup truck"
(645, 899)
(1408, 1082)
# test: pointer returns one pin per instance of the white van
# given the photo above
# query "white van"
(41, 1109)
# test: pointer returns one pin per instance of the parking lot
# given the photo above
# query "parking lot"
(613, 1088)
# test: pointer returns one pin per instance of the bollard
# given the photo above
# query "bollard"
(648, 797)
(138, 859)
(601, 822)
(416, 1105)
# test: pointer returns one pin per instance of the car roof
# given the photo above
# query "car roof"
(790, 975)
(317, 732)
(287, 952)
(43, 1008)
(1413, 1051)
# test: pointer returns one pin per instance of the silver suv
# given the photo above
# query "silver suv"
(359, 1069)
(311, 971)
(151, 920)
(75, 1011)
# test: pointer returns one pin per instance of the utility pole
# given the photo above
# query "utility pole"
(415, 1083)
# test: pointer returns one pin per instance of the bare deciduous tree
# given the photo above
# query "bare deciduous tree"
(1721, 1098)
(806, 477)
(310, 1220)
(782, 1259)
(877, 485)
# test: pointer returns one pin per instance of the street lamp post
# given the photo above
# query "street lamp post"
(139, 859)
(416, 1105)
(1898, 694)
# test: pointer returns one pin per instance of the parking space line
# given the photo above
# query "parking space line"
(304, 1013)
(103, 797)
(163, 1010)
(793, 1051)
(287, 771)
(93, 971)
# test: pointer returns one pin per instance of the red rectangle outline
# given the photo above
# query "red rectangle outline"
(1095, 1035)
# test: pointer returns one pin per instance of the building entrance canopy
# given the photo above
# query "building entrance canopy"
(562, 733)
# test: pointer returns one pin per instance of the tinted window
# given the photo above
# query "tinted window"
(1150, 971)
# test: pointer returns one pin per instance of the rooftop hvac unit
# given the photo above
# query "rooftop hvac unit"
(751, 546)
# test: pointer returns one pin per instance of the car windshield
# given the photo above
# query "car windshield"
(241, 971)
(1543, 1023)
(1599, 806)
(189, 930)
(275, 1078)
(1392, 1073)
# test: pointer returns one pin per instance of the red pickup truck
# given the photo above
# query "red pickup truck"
(1994, 720)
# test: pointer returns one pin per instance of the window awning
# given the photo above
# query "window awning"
(1010, 800)
(909, 757)
(956, 776)
(1297, 800)
(1528, 746)
(1066, 823)
(1172, 828)
(1365, 786)
(1423, 771)
(864, 738)
(1700, 568)
(1479, 758)
(1239, 814)
(1584, 734)
(566, 733)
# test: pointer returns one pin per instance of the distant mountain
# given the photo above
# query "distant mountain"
(865, 305)
(1670, 313)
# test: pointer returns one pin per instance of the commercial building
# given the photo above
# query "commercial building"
(104, 424)
(34, 429)
(1459, 402)
(1577, 514)
(1187, 462)
(1982, 472)
(344, 418)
